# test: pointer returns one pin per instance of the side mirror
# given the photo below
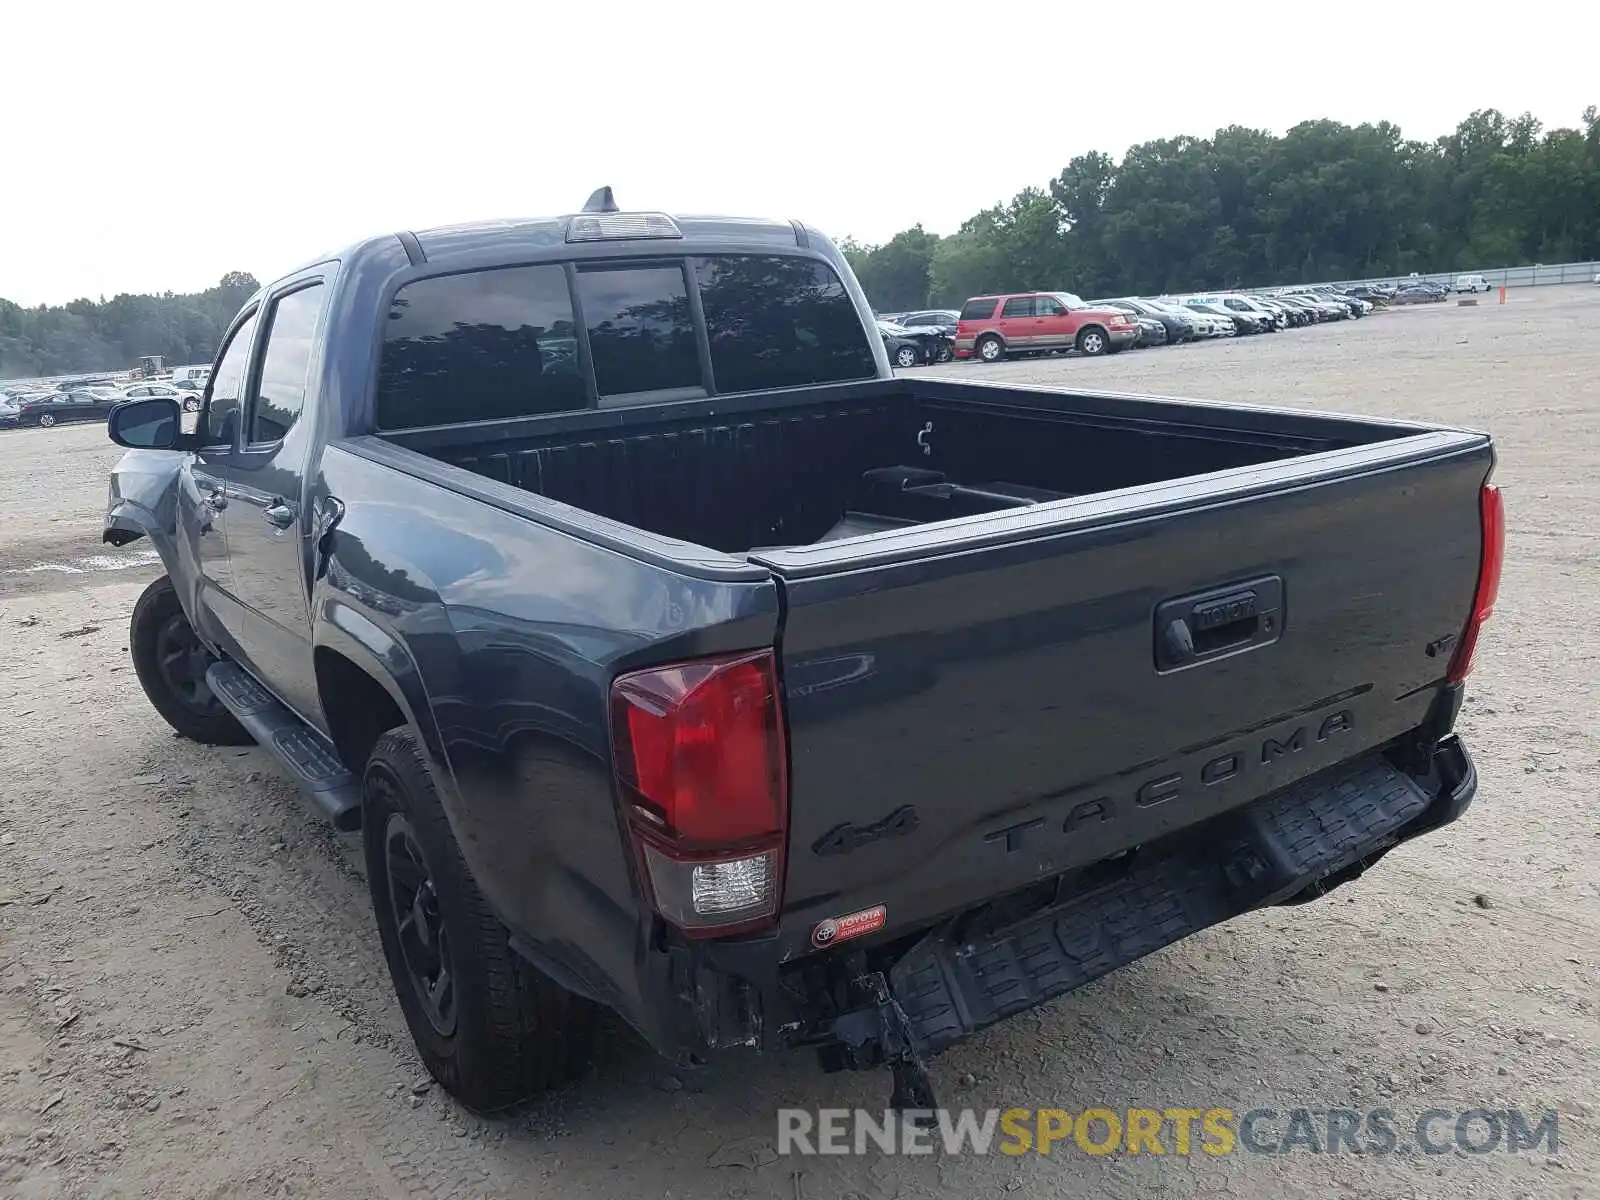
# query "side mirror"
(146, 424)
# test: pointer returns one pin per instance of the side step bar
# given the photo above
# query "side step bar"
(307, 755)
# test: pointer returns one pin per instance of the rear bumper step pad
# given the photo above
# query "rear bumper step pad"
(1259, 855)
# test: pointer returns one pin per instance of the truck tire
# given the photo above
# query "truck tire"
(990, 349)
(171, 664)
(1092, 340)
(489, 1027)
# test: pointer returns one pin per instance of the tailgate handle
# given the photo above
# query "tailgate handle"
(1221, 621)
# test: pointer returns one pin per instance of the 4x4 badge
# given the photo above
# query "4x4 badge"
(842, 839)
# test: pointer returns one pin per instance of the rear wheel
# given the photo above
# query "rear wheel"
(905, 356)
(489, 1027)
(171, 663)
(1092, 341)
(991, 349)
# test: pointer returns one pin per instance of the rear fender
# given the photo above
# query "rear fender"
(341, 627)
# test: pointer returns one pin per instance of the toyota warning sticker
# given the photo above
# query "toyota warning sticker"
(842, 929)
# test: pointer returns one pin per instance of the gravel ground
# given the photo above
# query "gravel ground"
(193, 1003)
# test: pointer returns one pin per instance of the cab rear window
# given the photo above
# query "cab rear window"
(776, 321)
(979, 310)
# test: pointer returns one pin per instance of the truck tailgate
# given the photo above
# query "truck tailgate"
(988, 703)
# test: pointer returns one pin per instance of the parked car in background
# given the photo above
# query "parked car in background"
(1471, 283)
(1375, 294)
(1310, 312)
(188, 396)
(1151, 332)
(940, 320)
(1206, 325)
(1243, 322)
(1180, 326)
(56, 408)
(992, 327)
(1420, 292)
(9, 411)
(1325, 306)
(909, 347)
(1268, 318)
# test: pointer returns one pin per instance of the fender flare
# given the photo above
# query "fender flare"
(343, 628)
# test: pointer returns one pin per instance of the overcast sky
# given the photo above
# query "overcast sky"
(153, 145)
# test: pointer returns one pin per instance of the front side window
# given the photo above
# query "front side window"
(479, 346)
(1048, 306)
(778, 321)
(641, 334)
(282, 391)
(227, 387)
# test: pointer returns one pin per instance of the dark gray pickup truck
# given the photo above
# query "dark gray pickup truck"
(673, 656)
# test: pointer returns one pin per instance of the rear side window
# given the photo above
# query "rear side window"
(979, 310)
(281, 394)
(641, 334)
(1018, 306)
(478, 347)
(779, 322)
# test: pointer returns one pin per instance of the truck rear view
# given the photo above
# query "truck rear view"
(675, 657)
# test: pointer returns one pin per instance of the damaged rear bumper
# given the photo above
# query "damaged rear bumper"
(965, 975)
(1294, 845)
(901, 1002)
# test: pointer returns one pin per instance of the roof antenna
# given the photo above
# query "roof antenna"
(602, 201)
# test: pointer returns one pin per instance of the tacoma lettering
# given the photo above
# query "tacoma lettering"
(1164, 788)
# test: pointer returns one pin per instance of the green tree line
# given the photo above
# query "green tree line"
(1246, 208)
(108, 335)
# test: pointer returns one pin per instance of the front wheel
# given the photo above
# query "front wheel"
(944, 354)
(47, 419)
(489, 1027)
(171, 663)
(1092, 341)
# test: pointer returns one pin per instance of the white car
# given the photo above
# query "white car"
(1471, 283)
(189, 398)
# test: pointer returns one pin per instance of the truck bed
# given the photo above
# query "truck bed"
(1113, 619)
(829, 463)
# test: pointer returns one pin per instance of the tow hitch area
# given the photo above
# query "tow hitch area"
(967, 975)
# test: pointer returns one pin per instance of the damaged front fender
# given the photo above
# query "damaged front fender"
(143, 501)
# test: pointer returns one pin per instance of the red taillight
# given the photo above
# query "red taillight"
(1493, 514)
(702, 772)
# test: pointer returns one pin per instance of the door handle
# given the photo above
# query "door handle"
(279, 514)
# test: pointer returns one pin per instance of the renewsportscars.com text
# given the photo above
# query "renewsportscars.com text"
(1166, 1131)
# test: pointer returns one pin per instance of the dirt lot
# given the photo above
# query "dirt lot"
(192, 1001)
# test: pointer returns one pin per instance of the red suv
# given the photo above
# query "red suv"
(1025, 322)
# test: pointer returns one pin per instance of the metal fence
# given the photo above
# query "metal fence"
(1512, 277)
